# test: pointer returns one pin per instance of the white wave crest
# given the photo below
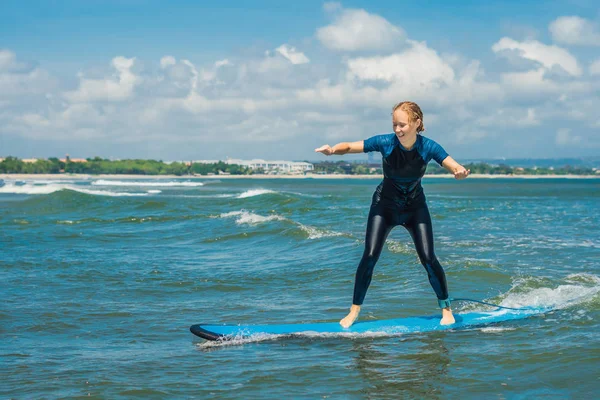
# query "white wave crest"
(245, 217)
(316, 233)
(105, 182)
(313, 196)
(255, 192)
(107, 193)
(579, 288)
(51, 188)
(207, 196)
(32, 189)
(154, 191)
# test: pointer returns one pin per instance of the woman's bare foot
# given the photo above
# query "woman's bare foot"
(351, 317)
(447, 317)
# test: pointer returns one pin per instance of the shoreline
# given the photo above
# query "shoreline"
(310, 176)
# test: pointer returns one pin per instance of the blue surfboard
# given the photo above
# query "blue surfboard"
(384, 326)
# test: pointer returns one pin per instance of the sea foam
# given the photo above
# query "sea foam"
(245, 217)
(255, 192)
(316, 233)
(51, 188)
(577, 289)
(105, 182)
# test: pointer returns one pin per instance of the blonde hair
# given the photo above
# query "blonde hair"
(414, 113)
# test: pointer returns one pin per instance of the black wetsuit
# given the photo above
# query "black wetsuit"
(399, 200)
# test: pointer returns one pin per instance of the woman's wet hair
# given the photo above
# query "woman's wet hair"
(414, 112)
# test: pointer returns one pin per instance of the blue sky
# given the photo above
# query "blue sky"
(184, 80)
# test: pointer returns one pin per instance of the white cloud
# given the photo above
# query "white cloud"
(530, 119)
(194, 79)
(76, 121)
(509, 118)
(530, 81)
(184, 74)
(119, 87)
(223, 63)
(265, 104)
(575, 30)
(425, 68)
(277, 67)
(548, 56)
(34, 120)
(324, 93)
(372, 83)
(175, 79)
(22, 82)
(262, 128)
(270, 64)
(354, 30)
(167, 61)
(290, 53)
(581, 109)
(595, 67)
(8, 60)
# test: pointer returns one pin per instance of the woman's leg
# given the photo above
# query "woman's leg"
(421, 231)
(378, 229)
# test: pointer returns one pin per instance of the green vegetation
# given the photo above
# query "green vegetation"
(503, 169)
(344, 167)
(233, 169)
(97, 165)
(14, 165)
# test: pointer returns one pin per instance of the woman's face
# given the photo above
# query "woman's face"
(402, 126)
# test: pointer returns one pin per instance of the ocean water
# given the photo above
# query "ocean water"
(101, 280)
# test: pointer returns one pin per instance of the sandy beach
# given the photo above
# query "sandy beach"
(261, 176)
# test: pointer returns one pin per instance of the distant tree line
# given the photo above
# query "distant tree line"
(97, 165)
(352, 168)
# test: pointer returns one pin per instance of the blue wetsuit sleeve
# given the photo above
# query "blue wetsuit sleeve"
(373, 144)
(436, 152)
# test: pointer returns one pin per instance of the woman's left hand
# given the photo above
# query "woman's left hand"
(461, 173)
(455, 168)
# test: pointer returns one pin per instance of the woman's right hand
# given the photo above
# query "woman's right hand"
(325, 149)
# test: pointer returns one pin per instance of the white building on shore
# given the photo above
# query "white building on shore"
(270, 167)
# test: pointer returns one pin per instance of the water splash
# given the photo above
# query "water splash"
(535, 293)
(245, 217)
(240, 339)
(255, 192)
(316, 233)
(496, 329)
(577, 289)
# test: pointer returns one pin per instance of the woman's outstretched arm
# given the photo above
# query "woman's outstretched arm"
(455, 168)
(342, 148)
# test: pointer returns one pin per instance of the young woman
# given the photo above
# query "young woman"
(399, 200)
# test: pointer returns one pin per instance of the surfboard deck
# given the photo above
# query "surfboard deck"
(385, 326)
